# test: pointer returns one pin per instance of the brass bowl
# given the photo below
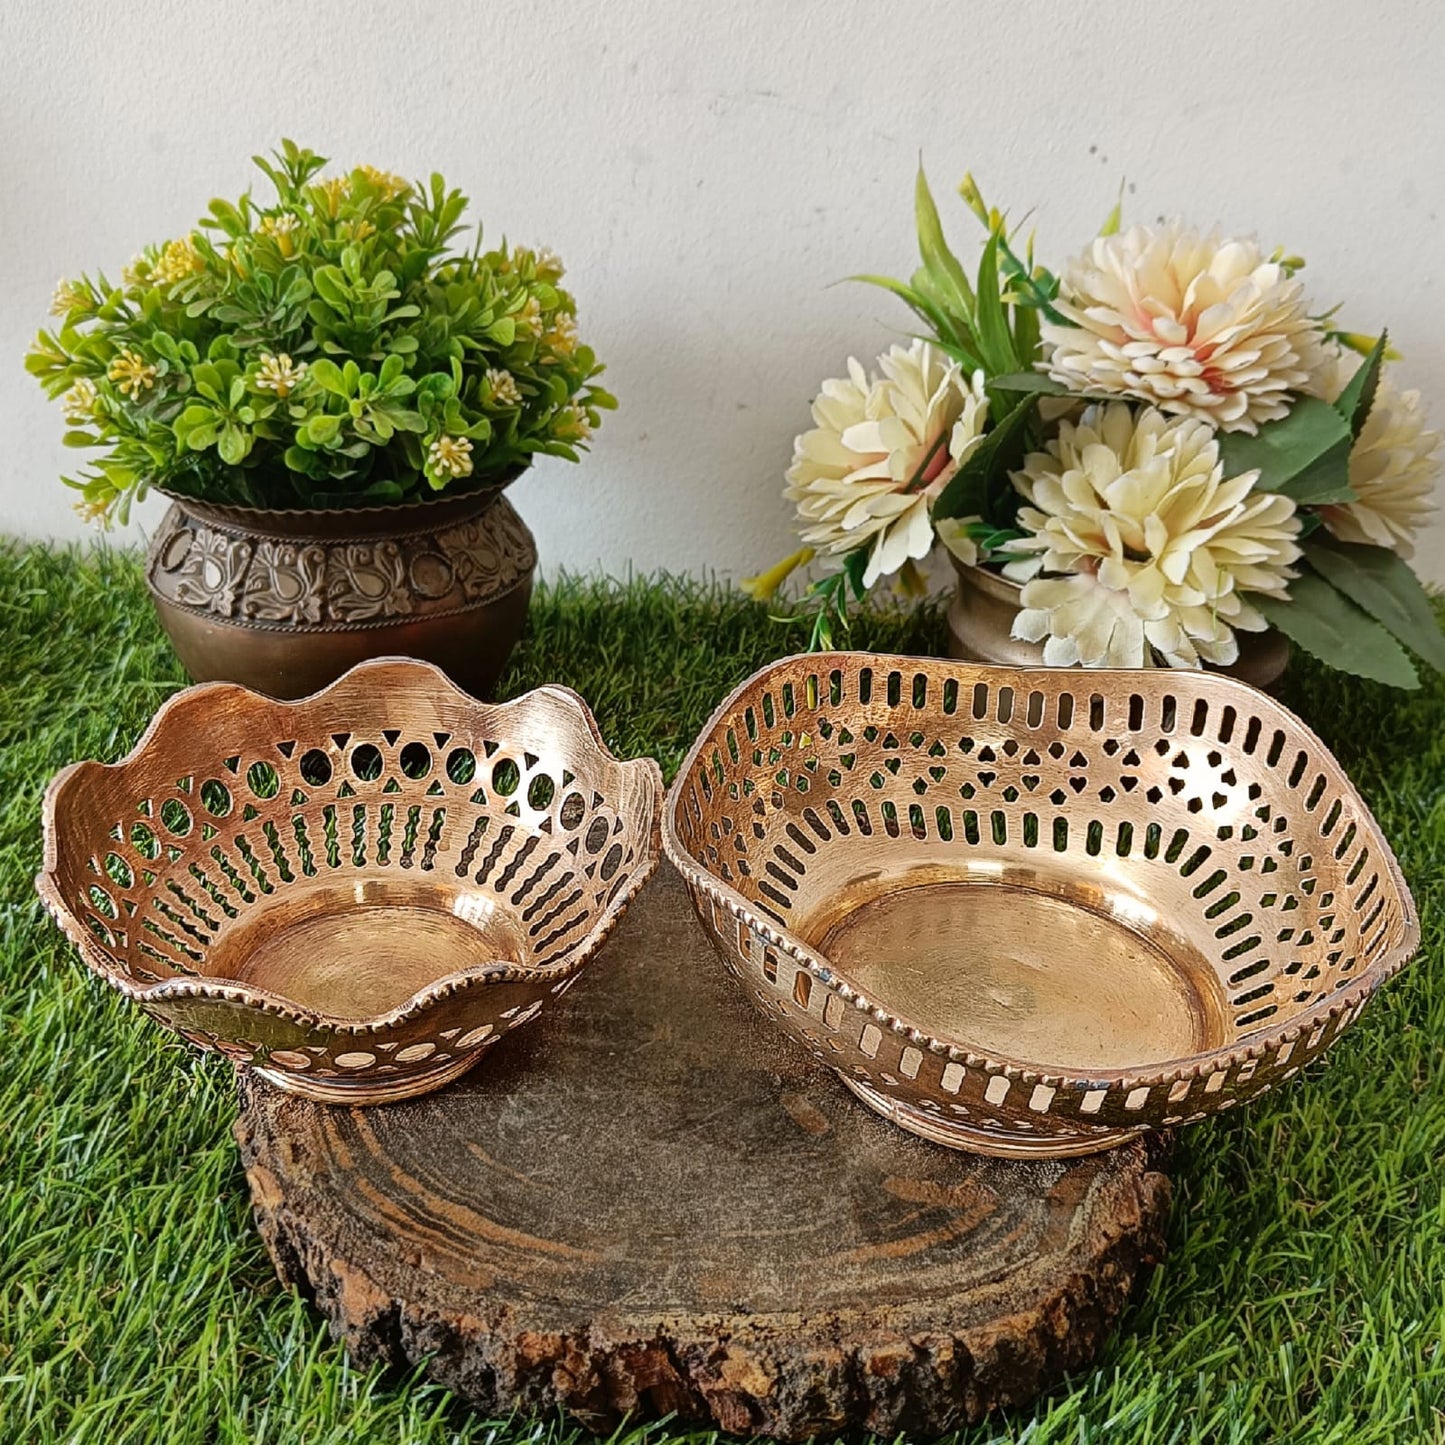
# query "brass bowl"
(1031, 912)
(356, 894)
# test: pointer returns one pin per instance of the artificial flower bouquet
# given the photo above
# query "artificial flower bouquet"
(330, 348)
(1163, 443)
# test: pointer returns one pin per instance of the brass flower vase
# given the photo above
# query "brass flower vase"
(284, 602)
(980, 628)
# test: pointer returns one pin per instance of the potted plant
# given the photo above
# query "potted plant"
(1158, 456)
(334, 395)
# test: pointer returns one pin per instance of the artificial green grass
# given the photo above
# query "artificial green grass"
(1303, 1298)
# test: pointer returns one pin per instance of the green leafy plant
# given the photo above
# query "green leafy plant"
(330, 348)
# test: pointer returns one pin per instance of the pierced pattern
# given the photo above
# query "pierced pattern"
(1201, 803)
(392, 784)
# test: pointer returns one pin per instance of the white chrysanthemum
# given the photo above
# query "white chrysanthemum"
(1393, 464)
(1139, 505)
(1196, 325)
(882, 449)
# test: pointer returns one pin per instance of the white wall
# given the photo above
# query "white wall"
(707, 172)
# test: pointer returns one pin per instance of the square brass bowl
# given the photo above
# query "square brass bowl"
(1031, 912)
(357, 893)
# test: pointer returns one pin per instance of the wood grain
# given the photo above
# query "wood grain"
(651, 1203)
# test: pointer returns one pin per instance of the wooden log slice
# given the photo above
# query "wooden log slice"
(651, 1202)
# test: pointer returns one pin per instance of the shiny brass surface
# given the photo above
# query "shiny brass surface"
(1031, 912)
(285, 602)
(359, 893)
(984, 604)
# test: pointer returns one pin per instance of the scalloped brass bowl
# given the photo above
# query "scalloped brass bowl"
(1031, 912)
(358, 893)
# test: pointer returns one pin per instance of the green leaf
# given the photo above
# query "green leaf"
(926, 309)
(228, 217)
(208, 381)
(234, 444)
(1381, 582)
(1330, 627)
(330, 285)
(1112, 220)
(950, 326)
(1358, 397)
(942, 264)
(1324, 481)
(1282, 450)
(327, 375)
(1026, 331)
(991, 324)
(321, 430)
(1028, 382)
(976, 482)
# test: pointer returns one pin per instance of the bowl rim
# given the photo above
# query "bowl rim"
(219, 989)
(1191, 1066)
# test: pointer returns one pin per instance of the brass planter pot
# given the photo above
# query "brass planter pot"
(285, 602)
(980, 625)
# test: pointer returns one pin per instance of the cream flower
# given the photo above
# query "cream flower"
(562, 338)
(388, 183)
(1197, 325)
(529, 318)
(881, 451)
(281, 229)
(279, 374)
(79, 402)
(132, 373)
(573, 423)
(1139, 505)
(1082, 623)
(503, 387)
(90, 509)
(451, 456)
(334, 190)
(68, 295)
(1393, 464)
(178, 259)
(137, 271)
(549, 264)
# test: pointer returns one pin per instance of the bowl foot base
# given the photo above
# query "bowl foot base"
(975, 1138)
(368, 1091)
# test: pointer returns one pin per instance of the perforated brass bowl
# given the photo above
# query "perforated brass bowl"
(1032, 912)
(356, 894)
